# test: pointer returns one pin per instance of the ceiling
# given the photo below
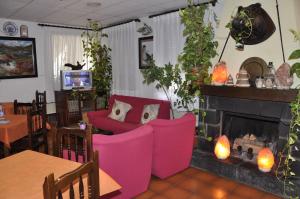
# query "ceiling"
(76, 12)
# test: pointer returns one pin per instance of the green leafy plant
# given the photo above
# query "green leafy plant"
(295, 55)
(99, 56)
(166, 78)
(241, 25)
(284, 171)
(195, 59)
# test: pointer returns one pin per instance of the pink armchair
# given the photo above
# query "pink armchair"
(173, 144)
(127, 157)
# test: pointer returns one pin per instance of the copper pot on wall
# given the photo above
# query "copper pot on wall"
(262, 25)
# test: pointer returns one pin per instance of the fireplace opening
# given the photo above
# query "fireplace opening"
(248, 134)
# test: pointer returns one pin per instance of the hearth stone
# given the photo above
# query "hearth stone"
(239, 171)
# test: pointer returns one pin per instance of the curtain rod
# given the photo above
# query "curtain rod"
(81, 28)
(213, 2)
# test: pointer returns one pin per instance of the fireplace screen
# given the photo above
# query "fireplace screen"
(248, 134)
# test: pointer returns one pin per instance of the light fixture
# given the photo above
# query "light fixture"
(265, 160)
(219, 75)
(222, 148)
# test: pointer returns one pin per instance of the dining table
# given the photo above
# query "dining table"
(12, 128)
(22, 175)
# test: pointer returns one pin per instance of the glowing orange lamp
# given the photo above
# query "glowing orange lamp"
(265, 160)
(222, 148)
(219, 75)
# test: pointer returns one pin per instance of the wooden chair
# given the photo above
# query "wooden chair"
(37, 133)
(23, 107)
(41, 100)
(37, 130)
(53, 187)
(74, 144)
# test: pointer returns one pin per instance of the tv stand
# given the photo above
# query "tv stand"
(70, 104)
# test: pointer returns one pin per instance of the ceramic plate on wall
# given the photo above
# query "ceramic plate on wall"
(10, 28)
(256, 67)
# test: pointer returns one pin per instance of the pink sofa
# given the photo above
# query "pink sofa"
(173, 144)
(100, 120)
(127, 157)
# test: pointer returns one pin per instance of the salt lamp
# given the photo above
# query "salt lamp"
(222, 148)
(219, 75)
(265, 160)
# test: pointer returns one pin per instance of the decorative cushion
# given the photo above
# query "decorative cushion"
(119, 111)
(150, 112)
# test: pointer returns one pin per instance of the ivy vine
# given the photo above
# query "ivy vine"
(284, 171)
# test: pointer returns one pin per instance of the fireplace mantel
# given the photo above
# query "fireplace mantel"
(251, 93)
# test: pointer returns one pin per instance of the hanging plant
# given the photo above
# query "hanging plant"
(195, 59)
(251, 25)
(295, 55)
(284, 171)
(240, 25)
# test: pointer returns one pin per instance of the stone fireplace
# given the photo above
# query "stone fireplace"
(251, 119)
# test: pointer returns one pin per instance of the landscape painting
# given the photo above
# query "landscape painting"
(17, 58)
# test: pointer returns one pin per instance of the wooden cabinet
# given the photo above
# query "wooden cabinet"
(71, 104)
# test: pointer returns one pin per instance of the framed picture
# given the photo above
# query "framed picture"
(145, 51)
(17, 58)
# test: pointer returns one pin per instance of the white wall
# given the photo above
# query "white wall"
(269, 50)
(24, 89)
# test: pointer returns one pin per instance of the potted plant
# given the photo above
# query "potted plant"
(166, 78)
(195, 61)
(98, 55)
(240, 26)
(284, 171)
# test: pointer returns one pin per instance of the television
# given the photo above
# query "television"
(76, 79)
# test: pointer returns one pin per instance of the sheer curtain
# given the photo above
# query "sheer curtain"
(122, 40)
(168, 42)
(61, 47)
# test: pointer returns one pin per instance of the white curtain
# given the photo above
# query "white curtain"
(168, 40)
(168, 43)
(61, 46)
(122, 40)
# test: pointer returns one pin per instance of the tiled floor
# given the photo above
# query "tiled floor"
(196, 184)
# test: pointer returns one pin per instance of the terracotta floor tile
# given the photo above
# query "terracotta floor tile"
(176, 193)
(192, 185)
(211, 192)
(158, 196)
(158, 185)
(270, 196)
(248, 192)
(175, 179)
(146, 195)
(190, 171)
(205, 176)
(225, 184)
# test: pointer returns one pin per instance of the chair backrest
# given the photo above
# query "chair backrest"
(23, 107)
(37, 130)
(41, 100)
(53, 187)
(74, 144)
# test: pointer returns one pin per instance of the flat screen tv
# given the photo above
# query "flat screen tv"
(76, 79)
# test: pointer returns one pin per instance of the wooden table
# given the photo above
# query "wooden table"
(22, 175)
(14, 130)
